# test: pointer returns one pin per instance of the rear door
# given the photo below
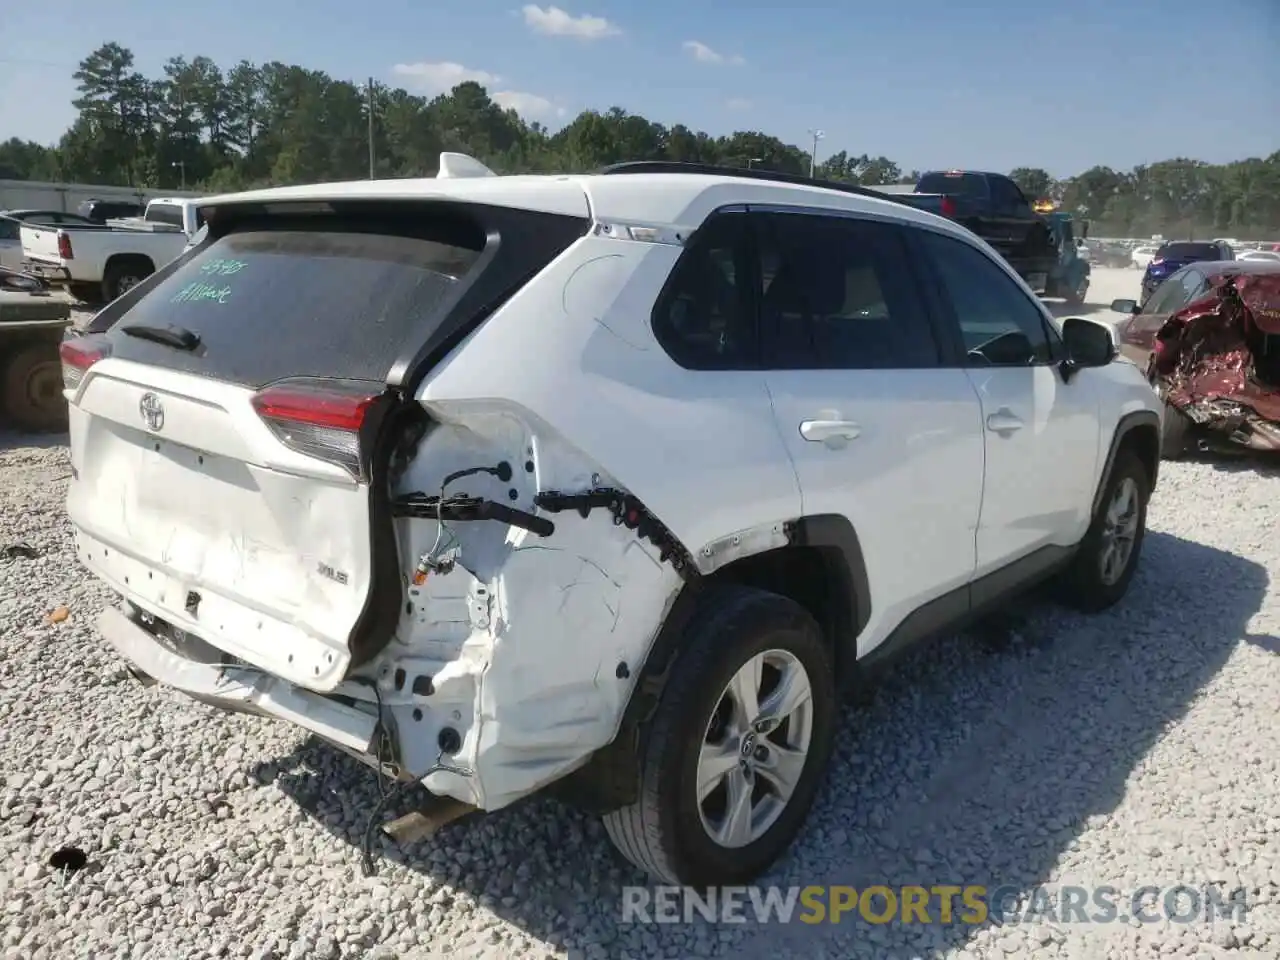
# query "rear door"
(221, 427)
(879, 431)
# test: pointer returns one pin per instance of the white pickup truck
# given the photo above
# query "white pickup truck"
(102, 262)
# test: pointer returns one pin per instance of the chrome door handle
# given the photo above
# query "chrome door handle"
(1003, 421)
(820, 431)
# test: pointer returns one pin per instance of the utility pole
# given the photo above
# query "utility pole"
(813, 154)
(371, 158)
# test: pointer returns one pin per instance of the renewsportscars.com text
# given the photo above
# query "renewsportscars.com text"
(941, 903)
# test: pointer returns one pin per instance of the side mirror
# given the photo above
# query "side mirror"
(1125, 306)
(1089, 343)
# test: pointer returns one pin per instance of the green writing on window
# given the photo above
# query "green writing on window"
(222, 268)
(193, 292)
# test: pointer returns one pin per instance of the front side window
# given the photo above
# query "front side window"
(1000, 324)
(1169, 296)
(836, 294)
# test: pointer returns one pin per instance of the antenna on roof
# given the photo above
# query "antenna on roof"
(454, 166)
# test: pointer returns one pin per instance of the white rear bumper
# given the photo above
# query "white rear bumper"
(237, 688)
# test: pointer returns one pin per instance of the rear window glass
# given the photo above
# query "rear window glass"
(274, 303)
(1189, 251)
(962, 184)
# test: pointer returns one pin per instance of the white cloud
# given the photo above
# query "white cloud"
(528, 105)
(738, 103)
(554, 22)
(434, 78)
(704, 54)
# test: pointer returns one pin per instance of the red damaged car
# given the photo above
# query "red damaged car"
(1209, 339)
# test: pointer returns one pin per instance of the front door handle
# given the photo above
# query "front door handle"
(821, 431)
(1004, 421)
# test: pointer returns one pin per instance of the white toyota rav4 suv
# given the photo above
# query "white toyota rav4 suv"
(614, 482)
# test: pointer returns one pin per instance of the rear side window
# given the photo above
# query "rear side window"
(836, 294)
(319, 299)
(9, 229)
(703, 319)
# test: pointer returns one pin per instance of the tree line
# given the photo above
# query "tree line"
(211, 129)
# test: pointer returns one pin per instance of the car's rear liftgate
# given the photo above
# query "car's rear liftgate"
(233, 452)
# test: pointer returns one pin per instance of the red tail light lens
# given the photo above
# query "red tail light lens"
(78, 355)
(64, 246)
(319, 419)
(948, 207)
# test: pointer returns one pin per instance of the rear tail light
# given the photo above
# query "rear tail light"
(948, 207)
(321, 419)
(78, 355)
(64, 246)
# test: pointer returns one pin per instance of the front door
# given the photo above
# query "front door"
(1035, 494)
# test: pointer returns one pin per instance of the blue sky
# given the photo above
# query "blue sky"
(992, 84)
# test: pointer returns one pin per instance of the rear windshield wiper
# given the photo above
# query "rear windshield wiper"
(179, 338)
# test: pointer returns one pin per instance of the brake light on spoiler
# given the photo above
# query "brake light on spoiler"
(321, 419)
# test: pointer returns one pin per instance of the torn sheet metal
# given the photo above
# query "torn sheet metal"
(1218, 360)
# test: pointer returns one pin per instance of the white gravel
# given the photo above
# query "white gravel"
(1139, 747)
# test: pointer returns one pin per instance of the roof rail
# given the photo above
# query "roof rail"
(712, 170)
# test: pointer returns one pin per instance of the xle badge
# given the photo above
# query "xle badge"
(337, 576)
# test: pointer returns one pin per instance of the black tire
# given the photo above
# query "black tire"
(31, 389)
(86, 292)
(1076, 296)
(1083, 583)
(122, 276)
(1175, 429)
(662, 833)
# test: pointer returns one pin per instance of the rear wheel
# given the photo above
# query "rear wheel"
(32, 389)
(123, 276)
(86, 292)
(1077, 294)
(738, 744)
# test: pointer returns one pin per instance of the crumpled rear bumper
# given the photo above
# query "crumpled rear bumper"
(198, 672)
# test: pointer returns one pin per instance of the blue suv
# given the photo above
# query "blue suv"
(1176, 254)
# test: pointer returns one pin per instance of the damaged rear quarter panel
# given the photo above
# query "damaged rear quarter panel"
(546, 636)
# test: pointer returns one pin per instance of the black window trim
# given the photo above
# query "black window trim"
(936, 293)
(900, 231)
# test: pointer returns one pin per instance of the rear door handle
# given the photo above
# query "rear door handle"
(820, 431)
(1003, 421)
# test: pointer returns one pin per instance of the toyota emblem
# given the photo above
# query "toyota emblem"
(152, 411)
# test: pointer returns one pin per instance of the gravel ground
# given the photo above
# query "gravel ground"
(1139, 747)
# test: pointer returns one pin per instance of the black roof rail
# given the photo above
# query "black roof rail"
(713, 170)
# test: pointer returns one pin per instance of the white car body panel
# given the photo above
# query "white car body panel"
(911, 475)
